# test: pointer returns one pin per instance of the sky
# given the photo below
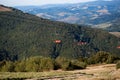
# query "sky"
(38, 2)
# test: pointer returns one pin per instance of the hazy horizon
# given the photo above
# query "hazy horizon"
(38, 2)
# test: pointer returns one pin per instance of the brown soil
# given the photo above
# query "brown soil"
(2, 9)
(96, 72)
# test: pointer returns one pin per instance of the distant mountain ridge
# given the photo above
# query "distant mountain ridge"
(100, 14)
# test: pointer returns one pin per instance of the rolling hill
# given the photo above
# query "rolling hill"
(23, 35)
(101, 13)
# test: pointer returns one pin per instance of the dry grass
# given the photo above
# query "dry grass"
(2, 9)
(96, 72)
(5, 75)
(102, 72)
(103, 25)
(116, 34)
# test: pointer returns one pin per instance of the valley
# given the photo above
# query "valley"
(98, 14)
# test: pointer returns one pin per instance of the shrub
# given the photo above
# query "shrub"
(63, 63)
(47, 64)
(118, 65)
(75, 64)
(8, 67)
(2, 63)
(66, 64)
(38, 64)
(102, 57)
(20, 66)
(113, 59)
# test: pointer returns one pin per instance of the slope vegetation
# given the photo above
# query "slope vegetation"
(23, 35)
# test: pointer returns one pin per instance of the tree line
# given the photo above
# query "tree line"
(39, 63)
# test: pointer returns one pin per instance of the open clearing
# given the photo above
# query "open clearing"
(96, 72)
(117, 34)
(2, 9)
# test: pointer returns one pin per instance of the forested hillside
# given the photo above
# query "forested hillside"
(23, 35)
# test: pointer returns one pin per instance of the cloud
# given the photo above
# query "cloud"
(38, 2)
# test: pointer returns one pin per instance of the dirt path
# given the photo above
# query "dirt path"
(100, 72)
